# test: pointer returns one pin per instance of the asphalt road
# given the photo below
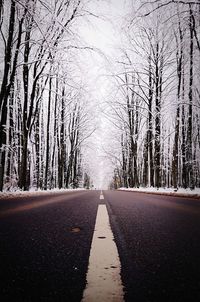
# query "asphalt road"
(45, 245)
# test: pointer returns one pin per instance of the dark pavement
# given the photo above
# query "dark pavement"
(158, 239)
(45, 245)
(41, 258)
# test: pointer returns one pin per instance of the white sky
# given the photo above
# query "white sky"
(102, 33)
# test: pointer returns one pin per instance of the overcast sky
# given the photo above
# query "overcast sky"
(103, 33)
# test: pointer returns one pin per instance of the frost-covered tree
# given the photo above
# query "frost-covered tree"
(164, 51)
(43, 119)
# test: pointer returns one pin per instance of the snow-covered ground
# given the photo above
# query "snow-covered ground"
(7, 195)
(166, 191)
(162, 191)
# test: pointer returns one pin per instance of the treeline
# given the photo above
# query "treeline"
(156, 108)
(43, 111)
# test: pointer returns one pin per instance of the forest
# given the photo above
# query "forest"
(43, 112)
(154, 105)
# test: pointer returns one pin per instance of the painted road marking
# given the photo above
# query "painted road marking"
(101, 195)
(103, 277)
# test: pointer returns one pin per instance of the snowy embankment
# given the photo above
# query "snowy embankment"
(167, 191)
(16, 194)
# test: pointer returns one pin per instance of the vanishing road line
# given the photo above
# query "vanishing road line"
(103, 277)
(101, 195)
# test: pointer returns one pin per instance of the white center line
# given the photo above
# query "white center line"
(101, 195)
(103, 277)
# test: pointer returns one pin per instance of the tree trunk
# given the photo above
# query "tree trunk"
(4, 93)
(175, 160)
(53, 168)
(190, 110)
(47, 139)
(150, 129)
(157, 121)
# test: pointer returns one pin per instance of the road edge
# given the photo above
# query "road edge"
(174, 194)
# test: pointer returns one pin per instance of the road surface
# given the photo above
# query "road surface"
(46, 241)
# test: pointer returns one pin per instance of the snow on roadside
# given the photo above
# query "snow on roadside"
(167, 191)
(16, 194)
